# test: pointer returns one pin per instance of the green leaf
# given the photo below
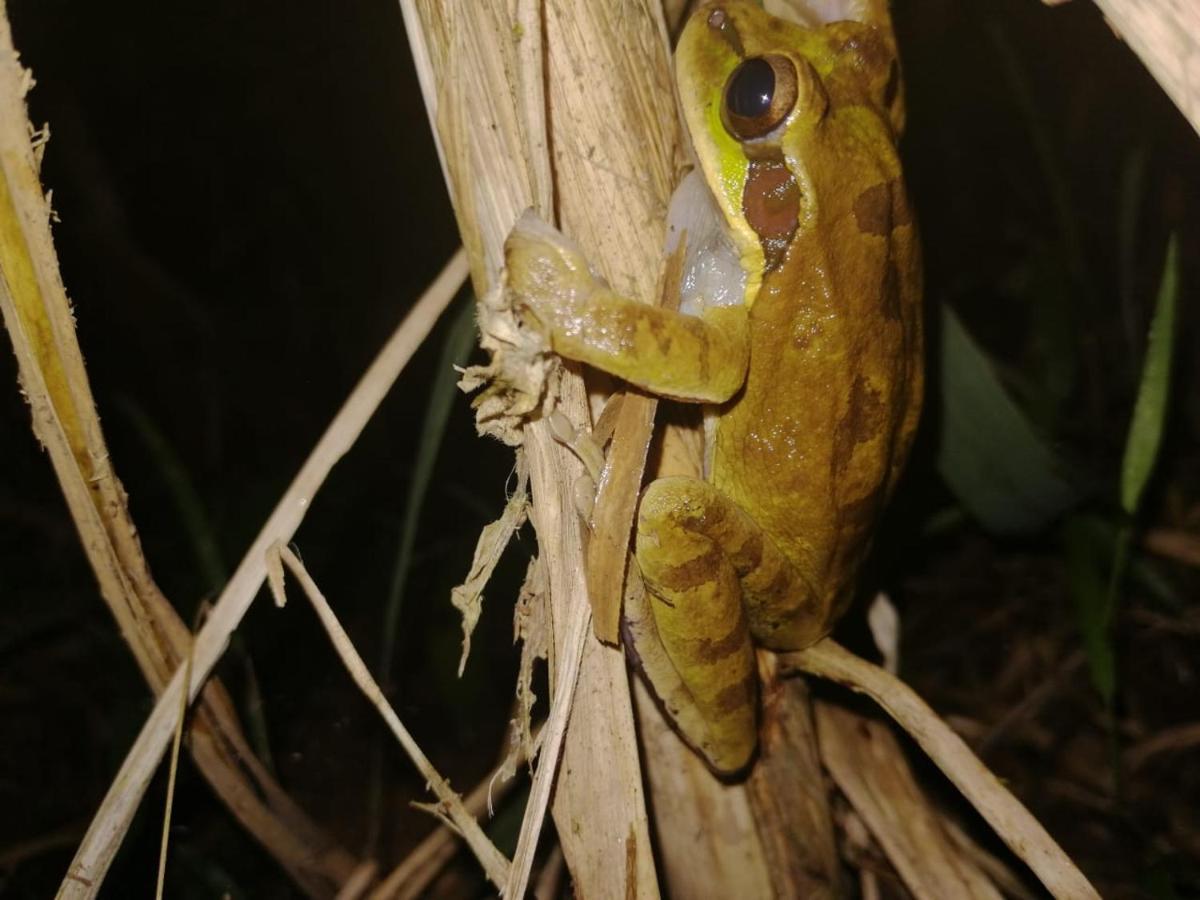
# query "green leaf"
(1088, 542)
(1150, 409)
(989, 454)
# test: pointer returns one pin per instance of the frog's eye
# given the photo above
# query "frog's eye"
(759, 95)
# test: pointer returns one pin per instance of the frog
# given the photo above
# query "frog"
(797, 333)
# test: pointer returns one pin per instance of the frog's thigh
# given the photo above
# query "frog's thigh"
(710, 570)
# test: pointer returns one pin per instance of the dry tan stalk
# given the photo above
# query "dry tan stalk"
(39, 320)
(788, 792)
(357, 884)
(996, 869)
(1165, 34)
(414, 873)
(1178, 739)
(868, 766)
(1023, 834)
(706, 829)
(486, 96)
(549, 883)
(172, 772)
(482, 66)
(1174, 543)
(609, 80)
(450, 807)
(111, 822)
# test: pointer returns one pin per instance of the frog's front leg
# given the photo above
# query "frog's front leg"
(716, 580)
(684, 357)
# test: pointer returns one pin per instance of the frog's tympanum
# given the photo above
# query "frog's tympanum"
(799, 328)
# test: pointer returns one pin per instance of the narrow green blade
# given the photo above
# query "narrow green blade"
(989, 453)
(1150, 409)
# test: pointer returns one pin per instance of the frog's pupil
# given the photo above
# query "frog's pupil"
(751, 89)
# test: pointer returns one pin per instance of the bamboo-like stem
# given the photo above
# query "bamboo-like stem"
(494, 69)
(1024, 835)
(104, 836)
(450, 805)
(1165, 34)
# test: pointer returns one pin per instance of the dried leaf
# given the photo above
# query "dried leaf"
(468, 596)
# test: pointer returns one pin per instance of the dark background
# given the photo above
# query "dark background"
(249, 202)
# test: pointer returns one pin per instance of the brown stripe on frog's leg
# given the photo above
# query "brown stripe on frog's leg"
(715, 578)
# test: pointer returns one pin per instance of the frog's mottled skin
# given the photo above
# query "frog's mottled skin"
(816, 376)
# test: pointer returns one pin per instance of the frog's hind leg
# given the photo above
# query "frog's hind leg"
(713, 578)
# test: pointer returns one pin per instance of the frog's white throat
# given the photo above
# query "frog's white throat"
(712, 272)
(712, 269)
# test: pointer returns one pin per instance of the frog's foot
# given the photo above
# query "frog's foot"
(546, 275)
(715, 578)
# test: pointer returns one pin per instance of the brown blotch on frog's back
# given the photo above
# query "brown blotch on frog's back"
(864, 416)
(881, 208)
(873, 210)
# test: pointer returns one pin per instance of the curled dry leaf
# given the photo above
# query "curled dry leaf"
(531, 626)
(517, 380)
(468, 596)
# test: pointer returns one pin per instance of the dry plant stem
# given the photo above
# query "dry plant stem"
(450, 804)
(569, 656)
(1012, 822)
(358, 883)
(484, 76)
(1175, 544)
(1166, 35)
(788, 793)
(706, 829)
(110, 824)
(40, 322)
(1031, 703)
(409, 879)
(999, 872)
(176, 742)
(866, 762)
(1179, 739)
(549, 883)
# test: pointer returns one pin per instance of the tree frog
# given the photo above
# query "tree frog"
(799, 329)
